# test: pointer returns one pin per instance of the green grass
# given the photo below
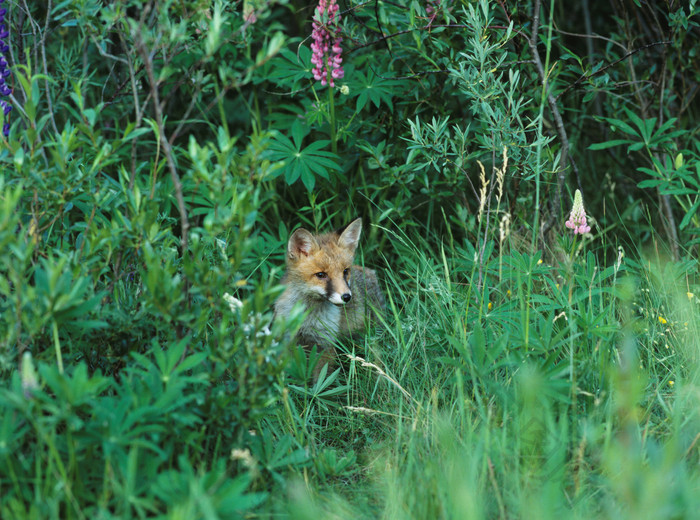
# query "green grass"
(586, 410)
(512, 388)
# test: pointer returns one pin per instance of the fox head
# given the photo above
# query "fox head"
(319, 265)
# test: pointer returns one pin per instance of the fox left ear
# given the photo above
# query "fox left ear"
(300, 243)
(350, 236)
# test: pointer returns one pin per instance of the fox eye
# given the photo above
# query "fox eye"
(346, 271)
(321, 275)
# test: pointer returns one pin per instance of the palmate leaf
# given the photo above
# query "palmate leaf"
(373, 89)
(642, 136)
(302, 163)
(290, 68)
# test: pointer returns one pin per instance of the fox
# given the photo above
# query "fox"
(341, 299)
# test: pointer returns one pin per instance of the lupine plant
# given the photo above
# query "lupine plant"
(577, 218)
(5, 89)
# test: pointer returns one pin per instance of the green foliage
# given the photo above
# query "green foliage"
(304, 164)
(151, 179)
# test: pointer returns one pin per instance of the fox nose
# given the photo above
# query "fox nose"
(346, 297)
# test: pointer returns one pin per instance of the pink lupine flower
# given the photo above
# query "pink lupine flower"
(326, 45)
(577, 217)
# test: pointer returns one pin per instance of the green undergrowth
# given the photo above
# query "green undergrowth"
(158, 156)
(498, 384)
(562, 389)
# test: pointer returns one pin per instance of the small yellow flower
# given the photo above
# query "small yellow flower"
(662, 320)
(689, 295)
(490, 305)
(508, 293)
(667, 346)
(671, 382)
(539, 262)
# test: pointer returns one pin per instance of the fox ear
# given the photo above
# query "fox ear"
(350, 236)
(300, 243)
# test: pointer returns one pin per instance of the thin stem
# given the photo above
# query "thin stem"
(543, 72)
(57, 345)
(165, 143)
(544, 77)
(331, 103)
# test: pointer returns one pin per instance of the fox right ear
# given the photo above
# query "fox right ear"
(300, 243)
(350, 235)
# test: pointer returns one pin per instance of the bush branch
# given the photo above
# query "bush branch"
(558, 124)
(165, 144)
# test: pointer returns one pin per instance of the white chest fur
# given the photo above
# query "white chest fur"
(323, 318)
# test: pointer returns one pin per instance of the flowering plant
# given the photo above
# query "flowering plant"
(577, 217)
(5, 90)
(326, 48)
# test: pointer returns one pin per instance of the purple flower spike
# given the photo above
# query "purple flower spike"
(327, 52)
(5, 89)
(577, 218)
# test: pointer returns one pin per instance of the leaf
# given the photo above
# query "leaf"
(609, 144)
(305, 164)
(649, 171)
(478, 345)
(690, 214)
(90, 324)
(299, 131)
(289, 68)
(662, 130)
(373, 89)
(308, 180)
(617, 123)
(650, 183)
(642, 124)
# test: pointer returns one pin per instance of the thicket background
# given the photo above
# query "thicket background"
(160, 153)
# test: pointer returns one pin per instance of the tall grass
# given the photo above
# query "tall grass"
(593, 413)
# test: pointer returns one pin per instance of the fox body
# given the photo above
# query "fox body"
(339, 297)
